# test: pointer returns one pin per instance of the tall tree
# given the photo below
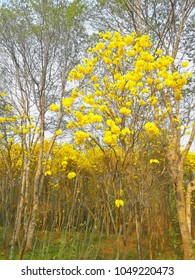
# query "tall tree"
(167, 22)
(40, 41)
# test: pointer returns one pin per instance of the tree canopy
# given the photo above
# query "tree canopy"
(97, 124)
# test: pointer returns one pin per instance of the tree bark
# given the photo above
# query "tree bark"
(190, 189)
(187, 245)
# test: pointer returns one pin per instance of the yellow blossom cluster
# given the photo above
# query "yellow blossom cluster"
(136, 76)
(81, 136)
(119, 203)
(154, 161)
(190, 162)
(58, 132)
(110, 138)
(175, 80)
(152, 128)
(125, 111)
(3, 119)
(81, 70)
(54, 107)
(48, 173)
(83, 120)
(185, 64)
(68, 101)
(71, 175)
(153, 100)
(113, 132)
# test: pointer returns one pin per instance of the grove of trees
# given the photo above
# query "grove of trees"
(97, 127)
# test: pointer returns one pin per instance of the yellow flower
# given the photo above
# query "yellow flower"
(70, 124)
(99, 46)
(81, 136)
(125, 131)
(142, 102)
(64, 163)
(154, 161)
(48, 173)
(74, 74)
(149, 81)
(115, 129)
(109, 138)
(134, 34)
(129, 103)
(159, 52)
(2, 119)
(140, 84)
(67, 102)
(30, 126)
(144, 90)
(117, 76)
(118, 120)
(54, 107)
(8, 108)
(81, 69)
(71, 175)
(125, 111)
(92, 118)
(24, 130)
(105, 36)
(178, 95)
(3, 94)
(151, 128)
(159, 86)
(110, 122)
(119, 203)
(58, 132)
(94, 78)
(153, 100)
(185, 64)
(188, 74)
(128, 40)
(107, 60)
(131, 53)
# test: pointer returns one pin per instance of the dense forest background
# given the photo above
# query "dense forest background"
(97, 126)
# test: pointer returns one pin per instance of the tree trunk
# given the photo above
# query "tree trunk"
(187, 245)
(138, 232)
(190, 189)
(35, 208)
(22, 207)
(39, 179)
(176, 162)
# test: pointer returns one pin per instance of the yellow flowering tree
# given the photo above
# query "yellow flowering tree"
(133, 93)
(37, 87)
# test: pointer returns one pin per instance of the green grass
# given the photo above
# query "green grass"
(65, 246)
(54, 245)
(58, 246)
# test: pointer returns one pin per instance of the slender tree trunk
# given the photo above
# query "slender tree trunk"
(36, 198)
(183, 222)
(22, 207)
(138, 231)
(38, 182)
(177, 170)
(176, 162)
(149, 232)
(190, 189)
